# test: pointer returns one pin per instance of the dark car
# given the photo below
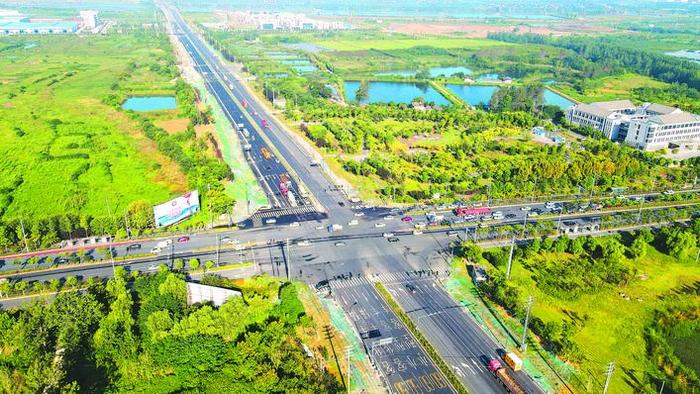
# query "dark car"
(133, 247)
(342, 204)
(393, 239)
(511, 216)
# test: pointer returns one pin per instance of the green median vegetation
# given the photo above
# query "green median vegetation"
(427, 346)
(607, 299)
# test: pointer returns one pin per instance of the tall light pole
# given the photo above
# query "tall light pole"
(510, 259)
(523, 343)
(608, 375)
(218, 248)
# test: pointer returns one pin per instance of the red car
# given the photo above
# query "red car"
(183, 239)
(406, 219)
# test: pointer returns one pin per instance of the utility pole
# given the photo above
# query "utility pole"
(218, 248)
(663, 383)
(211, 221)
(510, 258)
(523, 343)
(611, 369)
(289, 261)
(111, 255)
(24, 235)
(349, 367)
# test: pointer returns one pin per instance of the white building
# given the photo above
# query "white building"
(90, 19)
(649, 126)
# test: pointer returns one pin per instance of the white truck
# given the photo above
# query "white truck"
(334, 227)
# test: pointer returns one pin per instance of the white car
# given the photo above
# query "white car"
(353, 222)
(669, 192)
(387, 235)
(320, 227)
(525, 209)
(532, 213)
(156, 250)
(359, 214)
(388, 217)
(378, 225)
(304, 243)
(417, 232)
(294, 224)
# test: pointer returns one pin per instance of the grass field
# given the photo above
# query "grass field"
(611, 88)
(612, 326)
(393, 44)
(63, 150)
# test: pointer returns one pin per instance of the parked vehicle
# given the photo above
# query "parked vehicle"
(353, 222)
(387, 235)
(133, 247)
(264, 123)
(380, 224)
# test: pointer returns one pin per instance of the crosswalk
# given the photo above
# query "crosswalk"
(346, 283)
(385, 278)
(274, 213)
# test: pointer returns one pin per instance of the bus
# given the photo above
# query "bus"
(472, 211)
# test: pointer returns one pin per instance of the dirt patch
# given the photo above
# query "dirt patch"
(173, 126)
(8, 105)
(482, 30)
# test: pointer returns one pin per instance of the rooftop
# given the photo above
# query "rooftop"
(38, 25)
(594, 110)
(675, 118)
(615, 105)
(661, 109)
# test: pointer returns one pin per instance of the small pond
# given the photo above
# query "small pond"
(398, 92)
(149, 103)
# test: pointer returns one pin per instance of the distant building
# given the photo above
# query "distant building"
(90, 19)
(16, 28)
(282, 21)
(650, 126)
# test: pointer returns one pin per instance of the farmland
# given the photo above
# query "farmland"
(66, 152)
(406, 43)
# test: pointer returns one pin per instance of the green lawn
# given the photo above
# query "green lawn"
(63, 150)
(393, 44)
(613, 326)
(611, 88)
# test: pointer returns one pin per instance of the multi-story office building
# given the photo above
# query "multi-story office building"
(649, 126)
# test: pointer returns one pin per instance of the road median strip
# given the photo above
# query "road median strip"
(429, 349)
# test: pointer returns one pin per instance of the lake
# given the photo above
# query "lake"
(481, 94)
(398, 92)
(149, 103)
(434, 72)
(689, 55)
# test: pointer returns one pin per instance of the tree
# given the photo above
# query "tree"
(54, 284)
(5, 287)
(140, 215)
(71, 281)
(209, 264)
(21, 286)
(178, 264)
(638, 248)
(680, 243)
(194, 264)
